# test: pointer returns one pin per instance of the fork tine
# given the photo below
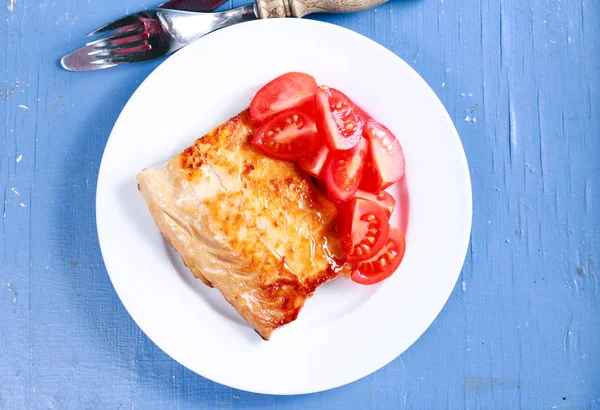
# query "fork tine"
(113, 49)
(127, 58)
(134, 30)
(124, 21)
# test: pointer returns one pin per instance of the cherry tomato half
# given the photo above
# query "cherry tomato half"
(313, 163)
(386, 158)
(337, 118)
(284, 92)
(366, 229)
(382, 198)
(382, 265)
(344, 170)
(289, 135)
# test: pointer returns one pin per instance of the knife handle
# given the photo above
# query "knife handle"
(301, 8)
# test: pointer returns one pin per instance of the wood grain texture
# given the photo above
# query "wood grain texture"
(521, 81)
(301, 8)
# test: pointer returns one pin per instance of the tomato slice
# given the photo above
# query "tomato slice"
(337, 118)
(313, 163)
(386, 158)
(289, 135)
(284, 92)
(381, 198)
(344, 170)
(384, 264)
(366, 229)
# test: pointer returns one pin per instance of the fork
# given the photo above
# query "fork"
(159, 32)
(144, 36)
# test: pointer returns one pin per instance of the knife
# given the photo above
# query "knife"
(159, 32)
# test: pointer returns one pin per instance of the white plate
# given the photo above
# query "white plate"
(345, 331)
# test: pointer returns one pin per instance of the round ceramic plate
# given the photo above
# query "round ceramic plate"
(346, 331)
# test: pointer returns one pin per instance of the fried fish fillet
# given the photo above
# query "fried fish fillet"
(254, 227)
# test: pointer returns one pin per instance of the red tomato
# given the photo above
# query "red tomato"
(289, 135)
(365, 230)
(337, 118)
(386, 158)
(382, 198)
(382, 265)
(344, 170)
(313, 164)
(287, 91)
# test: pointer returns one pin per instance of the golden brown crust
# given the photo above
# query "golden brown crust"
(254, 227)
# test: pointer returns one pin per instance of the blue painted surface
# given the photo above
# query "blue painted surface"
(521, 79)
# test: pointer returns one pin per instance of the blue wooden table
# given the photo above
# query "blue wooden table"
(521, 79)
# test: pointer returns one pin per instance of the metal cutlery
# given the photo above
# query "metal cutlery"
(159, 32)
(193, 5)
(133, 26)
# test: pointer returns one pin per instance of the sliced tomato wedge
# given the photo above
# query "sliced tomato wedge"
(284, 92)
(289, 135)
(344, 170)
(337, 118)
(382, 265)
(381, 198)
(365, 231)
(313, 163)
(386, 158)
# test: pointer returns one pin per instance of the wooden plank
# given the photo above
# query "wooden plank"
(521, 82)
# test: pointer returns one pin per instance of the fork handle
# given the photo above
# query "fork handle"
(300, 8)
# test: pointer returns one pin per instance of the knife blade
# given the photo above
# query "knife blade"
(193, 5)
